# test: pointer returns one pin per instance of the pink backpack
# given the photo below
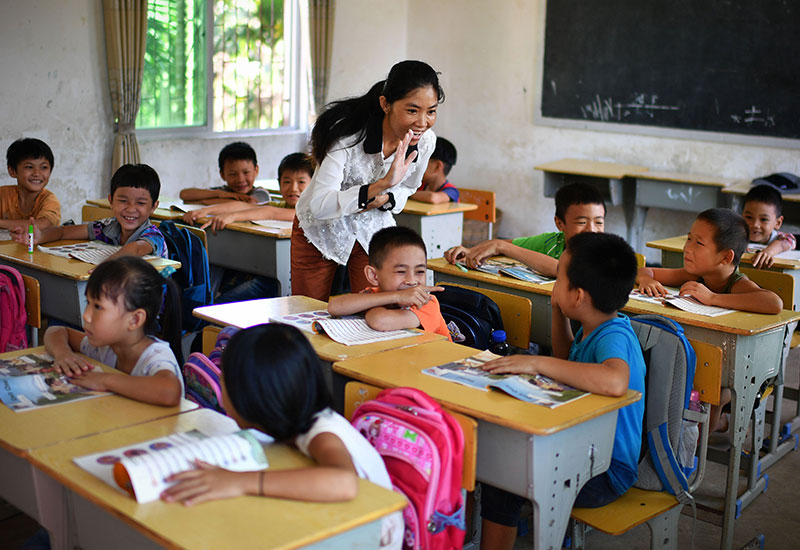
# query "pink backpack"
(423, 448)
(201, 374)
(13, 317)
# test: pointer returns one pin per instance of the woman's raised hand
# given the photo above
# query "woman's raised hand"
(400, 164)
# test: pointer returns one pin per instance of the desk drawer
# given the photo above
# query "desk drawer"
(676, 196)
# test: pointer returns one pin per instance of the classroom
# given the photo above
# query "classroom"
(490, 59)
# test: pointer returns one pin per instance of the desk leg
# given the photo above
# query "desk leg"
(550, 470)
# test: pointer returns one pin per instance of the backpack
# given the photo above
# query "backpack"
(423, 448)
(201, 374)
(193, 277)
(670, 361)
(470, 316)
(13, 317)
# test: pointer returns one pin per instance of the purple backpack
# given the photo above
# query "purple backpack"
(201, 374)
(13, 317)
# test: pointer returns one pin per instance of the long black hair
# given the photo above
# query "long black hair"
(352, 116)
(141, 286)
(274, 379)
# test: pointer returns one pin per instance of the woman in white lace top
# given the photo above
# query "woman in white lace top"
(371, 152)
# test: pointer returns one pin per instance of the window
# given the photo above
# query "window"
(243, 78)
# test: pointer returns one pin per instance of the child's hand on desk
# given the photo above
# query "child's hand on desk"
(218, 222)
(415, 296)
(474, 256)
(514, 364)
(95, 381)
(192, 216)
(71, 364)
(698, 291)
(650, 287)
(764, 258)
(19, 232)
(205, 483)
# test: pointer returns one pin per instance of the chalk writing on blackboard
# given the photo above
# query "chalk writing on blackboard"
(755, 116)
(640, 106)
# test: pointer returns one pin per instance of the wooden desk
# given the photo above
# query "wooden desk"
(20, 433)
(752, 352)
(256, 312)
(440, 225)
(538, 294)
(672, 256)
(62, 280)
(542, 454)
(107, 518)
(242, 246)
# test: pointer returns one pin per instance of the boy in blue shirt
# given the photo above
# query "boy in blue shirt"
(596, 273)
(579, 208)
(435, 187)
(133, 198)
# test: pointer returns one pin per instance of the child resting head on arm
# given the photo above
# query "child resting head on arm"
(710, 273)
(124, 297)
(272, 380)
(399, 297)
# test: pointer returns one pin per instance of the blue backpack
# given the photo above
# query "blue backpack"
(470, 316)
(193, 277)
(670, 361)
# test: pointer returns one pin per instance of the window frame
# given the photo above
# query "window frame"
(298, 114)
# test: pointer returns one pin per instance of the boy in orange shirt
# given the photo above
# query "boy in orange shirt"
(30, 161)
(399, 297)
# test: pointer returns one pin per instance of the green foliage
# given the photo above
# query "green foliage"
(249, 65)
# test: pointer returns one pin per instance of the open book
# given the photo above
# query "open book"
(140, 469)
(686, 303)
(537, 389)
(349, 330)
(512, 268)
(91, 252)
(28, 382)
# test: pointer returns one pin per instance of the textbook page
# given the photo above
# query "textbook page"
(686, 303)
(536, 389)
(29, 382)
(353, 331)
(140, 469)
(91, 252)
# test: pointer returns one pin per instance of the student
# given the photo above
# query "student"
(371, 152)
(762, 212)
(294, 174)
(30, 161)
(124, 297)
(435, 188)
(596, 273)
(238, 167)
(272, 381)
(398, 297)
(133, 198)
(710, 273)
(579, 208)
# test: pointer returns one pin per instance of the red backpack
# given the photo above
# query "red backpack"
(423, 448)
(13, 317)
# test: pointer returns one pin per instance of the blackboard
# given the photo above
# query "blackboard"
(712, 65)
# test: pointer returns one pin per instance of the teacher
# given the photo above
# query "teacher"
(371, 152)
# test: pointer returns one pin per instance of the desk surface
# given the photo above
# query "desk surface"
(65, 267)
(403, 368)
(255, 312)
(441, 265)
(428, 209)
(22, 431)
(583, 167)
(678, 177)
(243, 227)
(741, 187)
(739, 322)
(675, 244)
(233, 523)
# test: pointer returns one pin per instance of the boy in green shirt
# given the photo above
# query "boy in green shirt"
(579, 208)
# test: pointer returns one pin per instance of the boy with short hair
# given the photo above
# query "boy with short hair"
(30, 161)
(710, 272)
(238, 167)
(435, 188)
(762, 211)
(294, 174)
(579, 208)
(133, 198)
(399, 297)
(596, 273)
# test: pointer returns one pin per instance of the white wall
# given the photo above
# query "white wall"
(54, 87)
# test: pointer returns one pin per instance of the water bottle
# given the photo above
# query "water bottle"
(499, 346)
